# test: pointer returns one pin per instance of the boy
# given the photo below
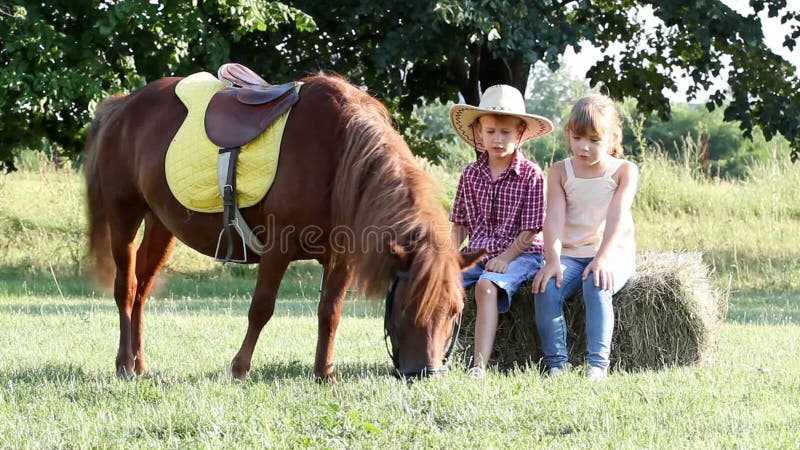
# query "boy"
(499, 205)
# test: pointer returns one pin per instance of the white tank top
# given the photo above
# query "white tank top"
(587, 207)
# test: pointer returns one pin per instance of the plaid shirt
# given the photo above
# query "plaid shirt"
(496, 211)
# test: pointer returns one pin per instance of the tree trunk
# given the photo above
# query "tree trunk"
(513, 72)
(467, 75)
(484, 70)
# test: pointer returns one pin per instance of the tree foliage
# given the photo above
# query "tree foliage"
(437, 49)
(59, 56)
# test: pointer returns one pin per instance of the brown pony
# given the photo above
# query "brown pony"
(347, 193)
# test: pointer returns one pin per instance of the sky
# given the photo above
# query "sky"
(774, 33)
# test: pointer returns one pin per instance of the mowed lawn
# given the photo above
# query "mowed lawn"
(58, 340)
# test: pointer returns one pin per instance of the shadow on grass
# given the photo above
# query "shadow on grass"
(296, 370)
(765, 306)
(46, 373)
(305, 370)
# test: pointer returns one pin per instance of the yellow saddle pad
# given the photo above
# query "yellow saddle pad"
(191, 161)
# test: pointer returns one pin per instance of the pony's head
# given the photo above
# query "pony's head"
(423, 311)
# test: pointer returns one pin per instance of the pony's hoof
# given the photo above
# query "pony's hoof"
(326, 379)
(125, 373)
(141, 368)
(234, 377)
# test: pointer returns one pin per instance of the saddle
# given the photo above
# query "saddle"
(235, 116)
(238, 114)
(239, 76)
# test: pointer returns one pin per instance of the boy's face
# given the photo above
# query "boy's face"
(499, 134)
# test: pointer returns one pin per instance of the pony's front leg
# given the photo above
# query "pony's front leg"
(270, 272)
(334, 286)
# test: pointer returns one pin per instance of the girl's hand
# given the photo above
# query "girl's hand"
(603, 275)
(497, 264)
(550, 270)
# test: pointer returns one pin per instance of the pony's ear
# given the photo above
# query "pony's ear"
(470, 259)
(400, 252)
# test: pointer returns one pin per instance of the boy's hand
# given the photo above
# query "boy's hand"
(497, 264)
(550, 270)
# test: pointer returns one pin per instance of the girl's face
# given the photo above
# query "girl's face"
(500, 134)
(591, 147)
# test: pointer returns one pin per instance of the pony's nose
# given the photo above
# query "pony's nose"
(411, 375)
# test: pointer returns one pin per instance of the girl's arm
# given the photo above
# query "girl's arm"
(553, 227)
(619, 215)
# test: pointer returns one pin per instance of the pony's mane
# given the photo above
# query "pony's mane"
(387, 202)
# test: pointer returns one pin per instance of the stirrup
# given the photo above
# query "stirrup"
(235, 224)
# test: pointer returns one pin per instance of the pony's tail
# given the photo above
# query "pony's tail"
(101, 263)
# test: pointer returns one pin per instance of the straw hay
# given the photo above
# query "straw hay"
(667, 314)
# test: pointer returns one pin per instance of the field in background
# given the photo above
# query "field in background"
(59, 338)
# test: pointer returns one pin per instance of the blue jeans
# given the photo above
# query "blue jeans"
(552, 327)
(521, 268)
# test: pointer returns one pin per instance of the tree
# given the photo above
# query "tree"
(438, 49)
(425, 50)
(59, 57)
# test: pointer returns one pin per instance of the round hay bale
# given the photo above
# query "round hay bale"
(667, 314)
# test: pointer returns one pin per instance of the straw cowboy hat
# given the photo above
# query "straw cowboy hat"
(500, 99)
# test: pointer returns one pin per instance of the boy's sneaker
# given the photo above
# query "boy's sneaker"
(596, 374)
(476, 372)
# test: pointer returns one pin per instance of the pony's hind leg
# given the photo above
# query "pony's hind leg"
(124, 223)
(270, 272)
(154, 251)
(337, 279)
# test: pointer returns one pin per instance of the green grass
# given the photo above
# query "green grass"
(59, 338)
(59, 389)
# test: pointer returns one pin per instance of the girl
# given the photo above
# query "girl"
(589, 240)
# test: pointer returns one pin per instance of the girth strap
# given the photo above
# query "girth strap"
(232, 219)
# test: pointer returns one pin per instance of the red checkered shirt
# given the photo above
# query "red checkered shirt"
(496, 211)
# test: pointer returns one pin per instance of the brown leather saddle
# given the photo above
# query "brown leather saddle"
(238, 114)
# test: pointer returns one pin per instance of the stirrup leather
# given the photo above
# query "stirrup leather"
(232, 220)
